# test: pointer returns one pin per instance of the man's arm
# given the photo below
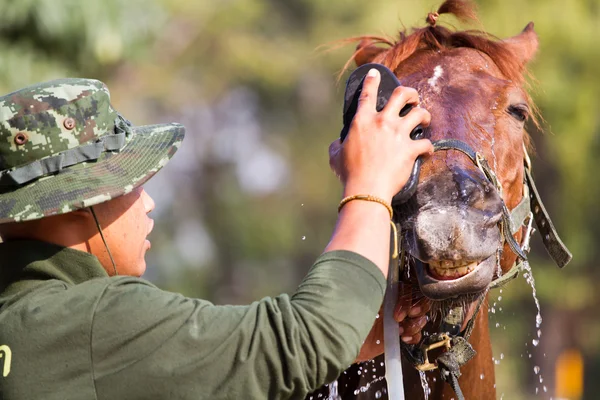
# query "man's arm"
(147, 343)
(375, 159)
(281, 347)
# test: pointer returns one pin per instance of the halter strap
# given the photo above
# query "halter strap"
(512, 221)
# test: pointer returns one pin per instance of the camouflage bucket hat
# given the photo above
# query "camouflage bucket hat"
(63, 147)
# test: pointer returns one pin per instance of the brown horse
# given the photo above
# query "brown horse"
(473, 86)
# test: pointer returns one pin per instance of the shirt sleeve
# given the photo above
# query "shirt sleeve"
(147, 343)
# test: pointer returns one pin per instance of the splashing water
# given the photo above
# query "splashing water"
(529, 278)
(333, 391)
(425, 385)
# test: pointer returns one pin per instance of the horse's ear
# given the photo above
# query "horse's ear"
(524, 45)
(366, 51)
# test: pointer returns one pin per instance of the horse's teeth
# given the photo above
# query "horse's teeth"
(451, 269)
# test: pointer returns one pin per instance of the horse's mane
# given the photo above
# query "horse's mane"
(436, 37)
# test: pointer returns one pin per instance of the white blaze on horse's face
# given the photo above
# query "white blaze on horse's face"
(438, 71)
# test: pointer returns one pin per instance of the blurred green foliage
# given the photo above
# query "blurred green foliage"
(249, 202)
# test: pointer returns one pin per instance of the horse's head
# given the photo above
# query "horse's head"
(473, 86)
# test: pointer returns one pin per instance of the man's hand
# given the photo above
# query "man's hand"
(375, 159)
(409, 313)
(378, 154)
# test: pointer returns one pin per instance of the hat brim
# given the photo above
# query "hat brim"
(112, 175)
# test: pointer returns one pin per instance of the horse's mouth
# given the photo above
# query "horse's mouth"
(440, 280)
(450, 270)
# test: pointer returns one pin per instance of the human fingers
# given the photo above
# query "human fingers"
(401, 96)
(416, 116)
(420, 308)
(415, 339)
(413, 326)
(421, 146)
(404, 303)
(368, 97)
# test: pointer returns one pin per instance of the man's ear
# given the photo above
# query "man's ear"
(366, 51)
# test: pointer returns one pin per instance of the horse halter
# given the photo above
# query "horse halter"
(530, 209)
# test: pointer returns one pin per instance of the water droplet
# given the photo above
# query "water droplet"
(545, 389)
(378, 342)
(378, 394)
(499, 298)
(481, 376)
(502, 356)
(536, 369)
(497, 324)
(539, 333)
(535, 342)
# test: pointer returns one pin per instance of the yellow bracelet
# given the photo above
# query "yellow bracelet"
(366, 197)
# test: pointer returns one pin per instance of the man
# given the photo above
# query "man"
(77, 322)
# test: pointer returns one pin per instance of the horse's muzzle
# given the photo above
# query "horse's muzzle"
(451, 226)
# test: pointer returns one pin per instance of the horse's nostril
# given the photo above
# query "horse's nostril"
(468, 190)
(476, 193)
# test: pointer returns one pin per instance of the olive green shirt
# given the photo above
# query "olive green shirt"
(69, 331)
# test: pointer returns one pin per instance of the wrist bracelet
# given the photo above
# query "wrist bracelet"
(366, 197)
(375, 199)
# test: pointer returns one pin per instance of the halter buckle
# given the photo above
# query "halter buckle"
(528, 232)
(445, 341)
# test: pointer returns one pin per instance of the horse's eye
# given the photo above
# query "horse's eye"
(519, 111)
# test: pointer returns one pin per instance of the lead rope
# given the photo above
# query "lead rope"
(112, 260)
(391, 328)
